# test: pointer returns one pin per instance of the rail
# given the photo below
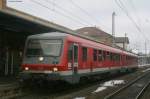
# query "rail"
(128, 85)
(10, 91)
(142, 91)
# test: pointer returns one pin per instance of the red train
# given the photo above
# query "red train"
(62, 56)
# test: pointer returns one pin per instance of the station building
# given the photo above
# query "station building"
(106, 38)
(15, 26)
(97, 34)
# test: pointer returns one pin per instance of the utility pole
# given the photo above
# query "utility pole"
(125, 42)
(145, 48)
(113, 28)
(145, 60)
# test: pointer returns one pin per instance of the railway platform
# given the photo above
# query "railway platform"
(9, 87)
(7, 80)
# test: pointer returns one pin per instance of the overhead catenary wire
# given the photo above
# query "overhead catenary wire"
(87, 13)
(127, 13)
(123, 11)
(138, 17)
(58, 12)
(137, 25)
(135, 10)
(68, 12)
(123, 8)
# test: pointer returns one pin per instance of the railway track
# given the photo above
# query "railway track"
(10, 91)
(140, 95)
(63, 91)
(58, 91)
(133, 90)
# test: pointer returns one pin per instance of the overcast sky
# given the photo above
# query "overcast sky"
(76, 14)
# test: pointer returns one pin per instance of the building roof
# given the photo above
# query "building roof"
(97, 34)
(92, 31)
(122, 40)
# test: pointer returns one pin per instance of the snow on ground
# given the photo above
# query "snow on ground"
(146, 70)
(112, 83)
(107, 84)
(99, 89)
(79, 98)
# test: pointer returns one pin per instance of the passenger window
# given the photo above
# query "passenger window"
(111, 56)
(126, 57)
(114, 57)
(117, 57)
(104, 55)
(95, 55)
(84, 54)
(108, 56)
(100, 55)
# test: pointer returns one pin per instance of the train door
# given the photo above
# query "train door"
(73, 57)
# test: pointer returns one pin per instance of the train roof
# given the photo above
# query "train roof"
(48, 35)
(63, 35)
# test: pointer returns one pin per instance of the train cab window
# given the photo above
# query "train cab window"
(70, 53)
(95, 55)
(100, 55)
(84, 54)
(44, 47)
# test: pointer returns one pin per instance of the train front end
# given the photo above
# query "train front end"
(42, 57)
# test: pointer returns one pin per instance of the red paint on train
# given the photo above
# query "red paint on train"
(85, 55)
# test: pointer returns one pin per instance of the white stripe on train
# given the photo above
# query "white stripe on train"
(70, 72)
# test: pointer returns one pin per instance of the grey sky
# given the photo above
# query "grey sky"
(100, 10)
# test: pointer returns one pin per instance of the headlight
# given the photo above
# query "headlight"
(55, 69)
(26, 68)
(41, 58)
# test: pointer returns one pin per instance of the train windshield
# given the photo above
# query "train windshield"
(43, 47)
